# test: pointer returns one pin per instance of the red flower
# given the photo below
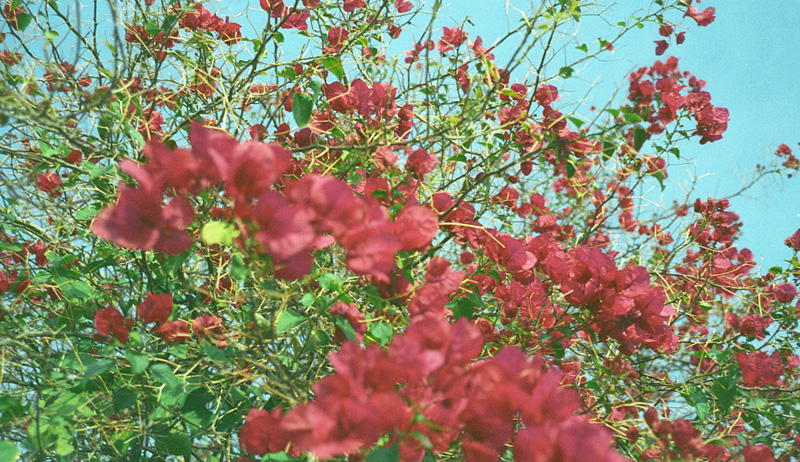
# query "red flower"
(172, 331)
(109, 321)
(415, 227)
(402, 6)
(261, 434)
(793, 241)
(210, 328)
(50, 183)
(784, 292)
(350, 5)
(661, 47)
(138, 221)
(546, 94)
(156, 308)
(452, 38)
(758, 453)
(337, 37)
(421, 163)
(759, 369)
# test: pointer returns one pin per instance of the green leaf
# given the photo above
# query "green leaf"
(391, 454)
(700, 403)
(76, 290)
(23, 20)
(566, 72)
(570, 166)
(723, 395)
(51, 35)
(177, 444)
(63, 447)
(9, 452)
(334, 66)
(330, 281)
(288, 319)
(346, 327)
(776, 270)
(163, 374)
(124, 398)
(639, 137)
(86, 213)
(302, 105)
(239, 269)
(152, 27)
(215, 353)
(464, 308)
(308, 299)
(659, 176)
(95, 369)
(218, 232)
(138, 361)
(381, 331)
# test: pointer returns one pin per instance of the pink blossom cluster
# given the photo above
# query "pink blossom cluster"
(427, 388)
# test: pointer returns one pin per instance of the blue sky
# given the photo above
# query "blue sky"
(750, 57)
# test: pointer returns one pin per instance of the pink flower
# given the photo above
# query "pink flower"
(156, 308)
(784, 292)
(759, 369)
(337, 37)
(138, 221)
(109, 321)
(452, 38)
(172, 331)
(403, 6)
(50, 183)
(210, 328)
(661, 47)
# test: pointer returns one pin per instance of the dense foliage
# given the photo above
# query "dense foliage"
(280, 235)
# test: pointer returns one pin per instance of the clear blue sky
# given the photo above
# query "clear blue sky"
(750, 57)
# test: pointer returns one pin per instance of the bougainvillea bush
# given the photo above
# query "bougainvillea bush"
(336, 230)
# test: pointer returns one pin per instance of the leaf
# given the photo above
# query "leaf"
(346, 328)
(163, 374)
(639, 137)
(23, 20)
(239, 269)
(570, 166)
(391, 454)
(9, 452)
(700, 403)
(215, 353)
(76, 290)
(308, 299)
(124, 398)
(96, 369)
(138, 361)
(288, 319)
(51, 35)
(152, 27)
(302, 105)
(218, 232)
(566, 72)
(330, 281)
(464, 308)
(381, 331)
(723, 395)
(63, 447)
(334, 66)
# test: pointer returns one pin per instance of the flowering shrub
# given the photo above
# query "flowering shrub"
(213, 249)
